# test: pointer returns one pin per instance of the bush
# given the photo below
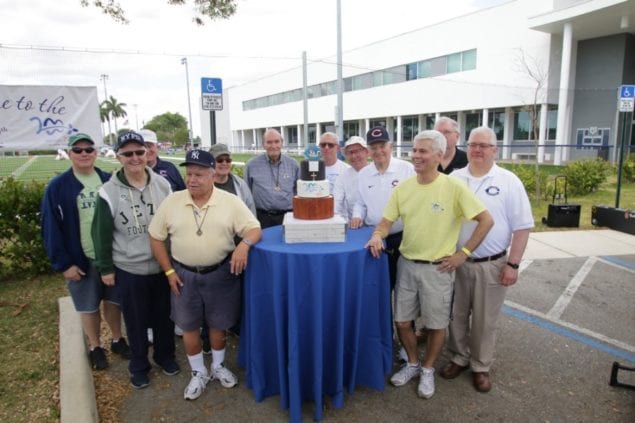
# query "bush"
(628, 168)
(586, 176)
(21, 248)
(527, 175)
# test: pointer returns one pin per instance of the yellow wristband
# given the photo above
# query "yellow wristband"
(378, 233)
(466, 251)
(169, 272)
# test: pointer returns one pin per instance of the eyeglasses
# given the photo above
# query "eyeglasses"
(352, 152)
(224, 160)
(79, 150)
(129, 154)
(481, 146)
(327, 145)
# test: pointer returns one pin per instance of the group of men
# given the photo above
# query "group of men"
(453, 224)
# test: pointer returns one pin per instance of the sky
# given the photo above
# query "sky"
(44, 42)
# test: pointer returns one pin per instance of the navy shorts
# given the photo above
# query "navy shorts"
(89, 291)
(213, 296)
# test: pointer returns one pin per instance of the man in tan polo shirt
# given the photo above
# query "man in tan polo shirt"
(205, 264)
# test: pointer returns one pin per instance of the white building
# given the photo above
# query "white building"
(469, 68)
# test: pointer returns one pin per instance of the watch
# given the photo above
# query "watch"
(513, 265)
(248, 242)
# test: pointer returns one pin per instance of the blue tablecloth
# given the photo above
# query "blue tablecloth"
(316, 320)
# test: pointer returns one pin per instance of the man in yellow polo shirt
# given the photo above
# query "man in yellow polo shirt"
(432, 206)
(204, 264)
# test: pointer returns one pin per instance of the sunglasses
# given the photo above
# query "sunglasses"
(327, 145)
(224, 160)
(79, 150)
(129, 154)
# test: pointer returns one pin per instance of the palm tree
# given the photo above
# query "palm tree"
(115, 110)
(104, 115)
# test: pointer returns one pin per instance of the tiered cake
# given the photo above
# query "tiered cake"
(312, 219)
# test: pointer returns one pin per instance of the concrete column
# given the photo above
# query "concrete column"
(508, 133)
(542, 137)
(256, 141)
(437, 115)
(460, 119)
(301, 139)
(399, 136)
(563, 97)
(421, 122)
(485, 118)
(366, 125)
(242, 140)
(318, 132)
(362, 128)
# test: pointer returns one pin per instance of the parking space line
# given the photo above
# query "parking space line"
(593, 339)
(564, 300)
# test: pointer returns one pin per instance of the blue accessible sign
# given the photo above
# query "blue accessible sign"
(212, 93)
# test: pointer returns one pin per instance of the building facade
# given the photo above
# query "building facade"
(543, 74)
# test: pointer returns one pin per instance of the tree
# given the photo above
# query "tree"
(114, 109)
(169, 126)
(212, 9)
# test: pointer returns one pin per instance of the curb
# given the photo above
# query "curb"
(77, 389)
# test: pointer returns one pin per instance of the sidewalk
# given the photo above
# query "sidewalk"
(539, 375)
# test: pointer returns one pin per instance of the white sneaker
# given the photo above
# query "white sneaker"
(403, 355)
(196, 386)
(407, 372)
(178, 331)
(150, 336)
(224, 376)
(426, 383)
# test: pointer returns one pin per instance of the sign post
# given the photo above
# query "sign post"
(625, 105)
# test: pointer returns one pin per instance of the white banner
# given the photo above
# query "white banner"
(37, 117)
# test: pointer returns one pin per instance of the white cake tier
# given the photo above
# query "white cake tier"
(313, 189)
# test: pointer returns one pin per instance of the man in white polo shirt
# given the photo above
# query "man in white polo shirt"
(333, 167)
(346, 191)
(481, 283)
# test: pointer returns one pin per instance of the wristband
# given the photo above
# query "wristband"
(247, 242)
(378, 233)
(514, 266)
(466, 251)
(169, 272)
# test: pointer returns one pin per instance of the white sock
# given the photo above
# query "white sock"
(197, 363)
(218, 356)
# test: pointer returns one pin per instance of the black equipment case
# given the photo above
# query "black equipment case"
(562, 215)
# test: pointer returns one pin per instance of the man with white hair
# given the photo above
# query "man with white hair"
(481, 283)
(158, 166)
(346, 191)
(333, 167)
(454, 158)
(432, 206)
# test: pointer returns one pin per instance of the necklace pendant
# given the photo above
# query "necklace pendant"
(199, 232)
(277, 188)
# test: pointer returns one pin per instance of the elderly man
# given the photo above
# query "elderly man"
(272, 177)
(226, 180)
(453, 157)
(203, 264)
(481, 283)
(432, 206)
(67, 213)
(376, 183)
(125, 207)
(346, 191)
(333, 167)
(161, 167)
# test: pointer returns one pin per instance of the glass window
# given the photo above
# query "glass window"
(469, 60)
(312, 130)
(425, 69)
(362, 81)
(313, 91)
(409, 128)
(472, 120)
(411, 71)
(292, 135)
(522, 125)
(378, 78)
(377, 122)
(430, 121)
(328, 127)
(351, 128)
(438, 66)
(454, 63)
(552, 122)
(395, 74)
(348, 84)
(497, 123)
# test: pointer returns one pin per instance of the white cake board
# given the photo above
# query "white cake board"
(323, 230)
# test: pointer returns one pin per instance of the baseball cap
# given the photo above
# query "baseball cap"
(377, 134)
(200, 158)
(80, 136)
(148, 135)
(355, 140)
(130, 136)
(218, 150)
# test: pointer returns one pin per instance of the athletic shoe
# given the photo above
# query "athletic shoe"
(98, 359)
(150, 336)
(224, 376)
(121, 348)
(196, 386)
(178, 331)
(407, 372)
(403, 355)
(139, 380)
(171, 368)
(426, 383)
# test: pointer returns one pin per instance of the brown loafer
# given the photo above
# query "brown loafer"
(452, 370)
(481, 381)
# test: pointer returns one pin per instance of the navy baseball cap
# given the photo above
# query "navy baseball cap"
(128, 137)
(200, 158)
(377, 134)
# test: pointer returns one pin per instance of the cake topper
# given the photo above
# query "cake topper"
(313, 154)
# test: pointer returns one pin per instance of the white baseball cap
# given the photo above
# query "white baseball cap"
(355, 140)
(148, 135)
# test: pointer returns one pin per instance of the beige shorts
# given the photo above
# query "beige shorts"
(422, 290)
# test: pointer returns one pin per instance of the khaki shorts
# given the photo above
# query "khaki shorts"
(422, 290)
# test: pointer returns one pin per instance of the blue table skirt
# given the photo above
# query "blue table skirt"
(316, 320)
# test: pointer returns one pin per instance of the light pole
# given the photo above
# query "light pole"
(136, 116)
(189, 106)
(104, 78)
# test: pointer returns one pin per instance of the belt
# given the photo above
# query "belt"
(490, 258)
(202, 270)
(427, 261)
(272, 212)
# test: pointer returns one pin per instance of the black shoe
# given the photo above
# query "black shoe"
(98, 359)
(121, 348)
(207, 347)
(171, 368)
(139, 380)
